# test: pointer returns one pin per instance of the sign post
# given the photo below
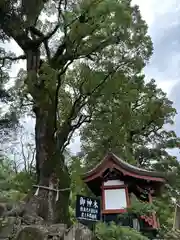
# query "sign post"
(88, 209)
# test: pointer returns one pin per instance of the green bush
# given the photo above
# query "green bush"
(115, 232)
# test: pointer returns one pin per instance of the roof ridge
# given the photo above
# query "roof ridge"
(127, 167)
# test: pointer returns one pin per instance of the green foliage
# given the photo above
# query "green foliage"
(14, 185)
(113, 231)
(6, 180)
(141, 208)
(130, 125)
(172, 235)
(8, 117)
(23, 181)
(77, 185)
(165, 212)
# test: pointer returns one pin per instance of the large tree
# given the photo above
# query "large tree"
(83, 47)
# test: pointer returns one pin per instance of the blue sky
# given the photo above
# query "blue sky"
(163, 21)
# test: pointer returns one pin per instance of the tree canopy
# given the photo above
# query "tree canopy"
(130, 120)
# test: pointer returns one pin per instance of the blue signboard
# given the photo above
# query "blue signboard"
(88, 209)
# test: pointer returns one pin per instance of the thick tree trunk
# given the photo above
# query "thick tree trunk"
(51, 170)
(52, 173)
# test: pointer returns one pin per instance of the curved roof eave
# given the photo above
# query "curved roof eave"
(126, 168)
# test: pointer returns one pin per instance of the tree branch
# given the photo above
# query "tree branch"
(80, 102)
(32, 161)
(10, 18)
(44, 38)
(49, 35)
(60, 59)
(82, 119)
(41, 36)
(23, 154)
(67, 128)
(62, 46)
(21, 57)
(48, 52)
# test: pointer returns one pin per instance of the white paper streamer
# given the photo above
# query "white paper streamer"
(37, 192)
(57, 195)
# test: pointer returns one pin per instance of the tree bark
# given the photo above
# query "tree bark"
(51, 169)
(50, 166)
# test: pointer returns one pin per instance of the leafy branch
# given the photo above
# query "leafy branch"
(68, 128)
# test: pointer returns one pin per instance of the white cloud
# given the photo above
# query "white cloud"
(164, 23)
(151, 12)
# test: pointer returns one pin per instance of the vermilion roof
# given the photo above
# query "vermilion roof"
(112, 161)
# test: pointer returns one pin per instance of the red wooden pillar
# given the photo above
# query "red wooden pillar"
(155, 222)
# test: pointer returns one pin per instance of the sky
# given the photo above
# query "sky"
(163, 22)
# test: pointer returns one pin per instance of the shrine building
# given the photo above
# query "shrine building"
(118, 183)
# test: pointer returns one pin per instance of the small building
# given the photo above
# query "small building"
(118, 183)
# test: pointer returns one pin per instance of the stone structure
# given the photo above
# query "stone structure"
(13, 229)
(16, 229)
